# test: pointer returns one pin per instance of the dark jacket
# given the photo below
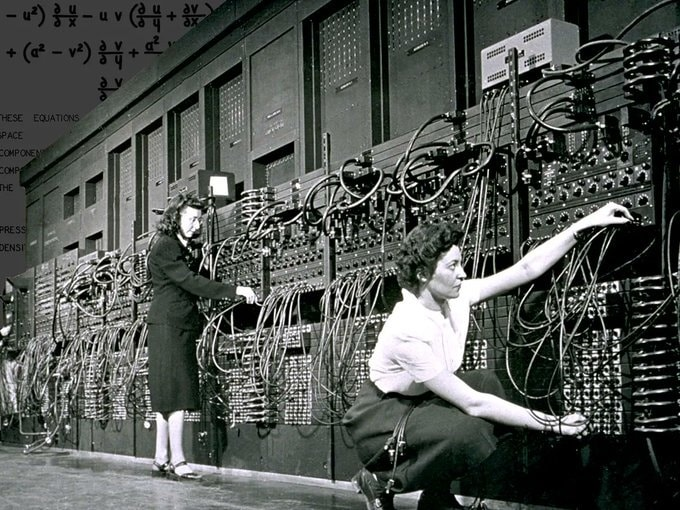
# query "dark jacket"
(177, 285)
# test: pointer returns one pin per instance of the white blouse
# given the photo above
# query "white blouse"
(417, 343)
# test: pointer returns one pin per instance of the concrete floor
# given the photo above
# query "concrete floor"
(67, 479)
(53, 479)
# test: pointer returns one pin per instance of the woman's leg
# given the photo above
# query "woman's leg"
(176, 428)
(162, 436)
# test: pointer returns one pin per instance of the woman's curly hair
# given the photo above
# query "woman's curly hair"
(169, 222)
(420, 250)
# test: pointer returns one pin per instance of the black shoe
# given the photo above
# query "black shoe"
(159, 470)
(189, 476)
(436, 500)
(367, 484)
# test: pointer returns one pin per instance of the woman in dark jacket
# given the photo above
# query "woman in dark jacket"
(174, 324)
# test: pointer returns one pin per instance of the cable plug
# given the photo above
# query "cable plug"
(364, 160)
(458, 117)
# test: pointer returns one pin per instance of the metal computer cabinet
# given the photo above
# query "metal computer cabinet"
(338, 80)
(273, 67)
(154, 174)
(421, 67)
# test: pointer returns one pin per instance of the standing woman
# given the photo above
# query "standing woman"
(174, 324)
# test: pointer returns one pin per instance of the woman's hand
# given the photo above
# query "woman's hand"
(247, 293)
(574, 424)
(608, 214)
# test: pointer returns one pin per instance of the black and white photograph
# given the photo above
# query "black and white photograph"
(340, 254)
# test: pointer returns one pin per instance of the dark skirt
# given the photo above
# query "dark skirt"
(442, 442)
(173, 369)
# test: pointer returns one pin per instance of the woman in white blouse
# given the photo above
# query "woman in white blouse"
(415, 393)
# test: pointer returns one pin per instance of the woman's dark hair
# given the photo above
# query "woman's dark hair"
(420, 250)
(169, 222)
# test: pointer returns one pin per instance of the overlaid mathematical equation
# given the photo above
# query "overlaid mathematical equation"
(105, 40)
(138, 16)
(82, 52)
(106, 53)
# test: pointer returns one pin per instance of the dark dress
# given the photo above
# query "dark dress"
(441, 442)
(174, 324)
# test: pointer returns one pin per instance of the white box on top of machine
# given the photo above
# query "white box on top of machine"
(550, 43)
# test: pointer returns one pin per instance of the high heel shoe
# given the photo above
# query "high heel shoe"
(173, 475)
(160, 470)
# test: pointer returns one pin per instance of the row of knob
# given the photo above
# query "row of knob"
(567, 216)
(363, 243)
(582, 187)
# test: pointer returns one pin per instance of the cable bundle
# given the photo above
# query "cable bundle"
(339, 366)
